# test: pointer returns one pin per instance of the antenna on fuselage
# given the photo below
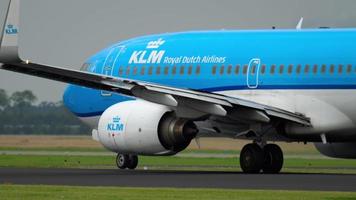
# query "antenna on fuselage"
(300, 24)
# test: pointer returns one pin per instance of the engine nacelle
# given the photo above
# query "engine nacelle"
(141, 127)
(337, 150)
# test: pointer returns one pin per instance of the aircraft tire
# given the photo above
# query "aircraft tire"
(251, 158)
(273, 159)
(122, 161)
(133, 162)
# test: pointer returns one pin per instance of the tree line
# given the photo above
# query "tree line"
(20, 115)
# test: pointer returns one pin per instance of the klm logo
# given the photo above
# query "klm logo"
(155, 44)
(11, 30)
(149, 57)
(116, 125)
(144, 57)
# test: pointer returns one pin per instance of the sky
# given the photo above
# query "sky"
(65, 33)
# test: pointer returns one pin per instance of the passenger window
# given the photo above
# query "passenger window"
(349, 68)
(290, 69)
(143, 70)
(222, 68)
(181, 70)
(273, 69)
(281, 69)
(237, 69)
(229, 69)
(299, 68)
(323, 69)
(158, 70)
(134, 71)
(174, 70)
(150, 70)
(166, 70)
(190, 70)
(315, 69)
(245, 69)
(340, 68)
(121, 71)
(332, 69)
(263, 69)
(306, 69)
(128, 70)
(197, 70)
(214, 69)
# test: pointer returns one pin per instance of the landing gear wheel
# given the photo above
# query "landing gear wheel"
(124, 161)
(273, 159)
(251, 158)
(133, 162)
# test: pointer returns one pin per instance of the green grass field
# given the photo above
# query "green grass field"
(315, 165)
(12, 192)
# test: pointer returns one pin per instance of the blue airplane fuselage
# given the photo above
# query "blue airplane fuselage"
(218, 61)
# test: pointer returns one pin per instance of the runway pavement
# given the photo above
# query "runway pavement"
(178, 179)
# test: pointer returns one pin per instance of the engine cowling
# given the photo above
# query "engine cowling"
(141, 127)
(337, 150)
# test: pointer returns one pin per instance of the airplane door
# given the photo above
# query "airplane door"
(253, 71)
(109, 64)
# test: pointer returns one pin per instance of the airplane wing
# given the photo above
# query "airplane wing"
(203, 103)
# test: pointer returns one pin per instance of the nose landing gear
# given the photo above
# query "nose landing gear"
(254, 158)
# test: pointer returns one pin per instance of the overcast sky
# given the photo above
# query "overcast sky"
(66, 32)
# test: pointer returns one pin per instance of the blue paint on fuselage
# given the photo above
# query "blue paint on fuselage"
(86, 102)
(328, 49)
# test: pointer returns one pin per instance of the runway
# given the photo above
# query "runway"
(178, 179)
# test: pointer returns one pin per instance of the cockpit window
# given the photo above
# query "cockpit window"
(85, 67)
(88, 67)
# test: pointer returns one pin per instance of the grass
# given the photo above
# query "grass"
(51, 149)
(102, 149)
(10, 192)
(86, 142)
(107, 161)
(173, 163)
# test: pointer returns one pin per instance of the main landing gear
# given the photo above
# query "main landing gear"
(254, 158)
(124, 161)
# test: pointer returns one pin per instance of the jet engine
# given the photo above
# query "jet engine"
(141, 127)
(337, 150)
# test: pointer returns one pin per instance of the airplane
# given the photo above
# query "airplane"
(153, 95)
